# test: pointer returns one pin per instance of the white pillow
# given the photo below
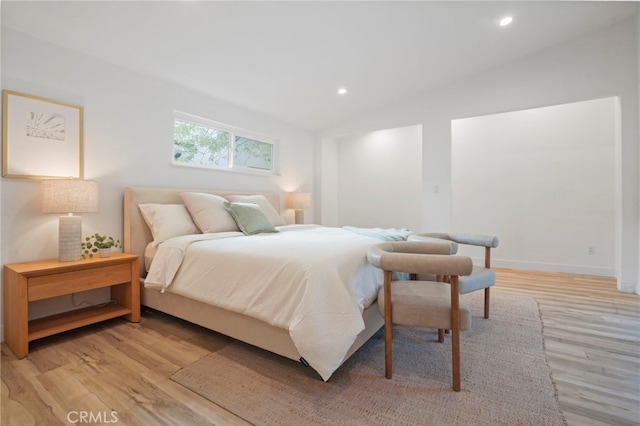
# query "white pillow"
(208, 212)
(167, 221)
(265, 206)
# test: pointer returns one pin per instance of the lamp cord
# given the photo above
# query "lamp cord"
(87, 303)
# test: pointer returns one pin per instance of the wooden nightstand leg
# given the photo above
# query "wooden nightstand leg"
(128, 295)
(134, 291)
(16, 317)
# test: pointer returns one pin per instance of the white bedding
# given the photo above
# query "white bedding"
(313, 281)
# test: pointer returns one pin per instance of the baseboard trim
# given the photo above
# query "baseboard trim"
(628, 287)
(551, 267)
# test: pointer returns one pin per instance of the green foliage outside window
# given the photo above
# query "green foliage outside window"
(199, 144)
(253, 154)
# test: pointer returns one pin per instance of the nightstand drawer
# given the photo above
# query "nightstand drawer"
(46, 286)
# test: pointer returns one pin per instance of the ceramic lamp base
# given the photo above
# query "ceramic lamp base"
(299, 217)
(70, 238)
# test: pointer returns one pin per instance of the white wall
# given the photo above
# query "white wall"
(1, 259)
(544, 181)
(128, 138)
(638, 80)
(600, 65)
(326, 204)
(380, 178)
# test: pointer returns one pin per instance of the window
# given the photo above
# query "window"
(252, 154)
(204, 143)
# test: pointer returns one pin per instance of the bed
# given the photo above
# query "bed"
(285, 334)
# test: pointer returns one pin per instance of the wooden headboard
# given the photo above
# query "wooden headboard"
(136, 232)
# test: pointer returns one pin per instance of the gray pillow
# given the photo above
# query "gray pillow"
(249, 218)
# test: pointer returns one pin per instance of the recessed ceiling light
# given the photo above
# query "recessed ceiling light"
(506, 21)
(342, 91)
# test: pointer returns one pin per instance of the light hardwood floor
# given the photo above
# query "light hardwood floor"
(592, 340)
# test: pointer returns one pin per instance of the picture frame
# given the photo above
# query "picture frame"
(41, 138)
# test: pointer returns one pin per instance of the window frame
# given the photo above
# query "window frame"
(233, 133)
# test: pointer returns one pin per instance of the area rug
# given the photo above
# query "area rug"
(505, 378)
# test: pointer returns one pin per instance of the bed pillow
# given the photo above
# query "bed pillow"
(250, 218)
(265, 205)
(167, 221)
(208, 212)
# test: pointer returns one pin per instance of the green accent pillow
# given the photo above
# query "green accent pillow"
(249, 218)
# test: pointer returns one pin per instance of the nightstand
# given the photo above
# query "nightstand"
(44, 279)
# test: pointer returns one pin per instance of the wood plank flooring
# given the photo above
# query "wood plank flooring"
(592, 342)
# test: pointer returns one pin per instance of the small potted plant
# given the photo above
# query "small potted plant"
(97, 243)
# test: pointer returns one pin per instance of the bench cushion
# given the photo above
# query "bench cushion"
(480, 278)
(423, 304)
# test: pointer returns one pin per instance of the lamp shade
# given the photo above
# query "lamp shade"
(298, 200)
(69, 196)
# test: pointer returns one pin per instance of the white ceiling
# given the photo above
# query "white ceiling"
(287, 59)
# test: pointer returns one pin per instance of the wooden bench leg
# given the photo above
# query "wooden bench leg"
(455, 333)
(388, 360)
(455, 355)
(486, 302)
(388, 326)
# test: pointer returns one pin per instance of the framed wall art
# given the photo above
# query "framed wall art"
(41, 138)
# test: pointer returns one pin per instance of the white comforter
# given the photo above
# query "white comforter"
(313, 281)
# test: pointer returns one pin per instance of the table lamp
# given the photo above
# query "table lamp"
(298, 201)
(69, 196)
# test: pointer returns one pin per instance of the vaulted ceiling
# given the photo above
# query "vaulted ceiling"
(288, 59)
